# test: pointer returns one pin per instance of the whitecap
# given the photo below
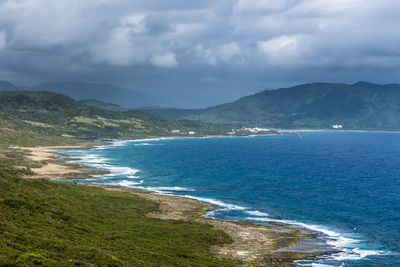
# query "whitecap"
(210, 214)
(166, 190)
(172, 188)
(120, 171)
(120, 142)
(92, 158)
(315, 228)
(152, 139)
(102, 163)
(219, 203)
(144, 144)
(312, 264)
(128, 183)
(356, 254)
(257, 213)
(115, 143)
(339, 241)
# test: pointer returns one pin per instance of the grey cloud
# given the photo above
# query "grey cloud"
(199, 49)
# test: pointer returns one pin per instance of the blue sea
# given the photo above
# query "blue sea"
(343, 186)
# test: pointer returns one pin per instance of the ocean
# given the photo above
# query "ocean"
(343, 186)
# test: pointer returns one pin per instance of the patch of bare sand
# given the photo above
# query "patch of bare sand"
(51, 168)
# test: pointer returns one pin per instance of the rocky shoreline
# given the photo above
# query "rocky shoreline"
(273, 245)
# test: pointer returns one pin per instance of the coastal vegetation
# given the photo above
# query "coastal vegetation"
(64, 224)
(103, 105)
(32, 116)
(359, 106)
(18, 132)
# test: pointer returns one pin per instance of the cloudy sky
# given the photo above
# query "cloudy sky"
(199, 53)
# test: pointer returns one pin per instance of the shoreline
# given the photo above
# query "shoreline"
(52, 167)
(279, 244)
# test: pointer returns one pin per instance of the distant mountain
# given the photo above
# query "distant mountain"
(7, 86)
(99, 91)
(316, 105)
(84, 90)
(101, 104)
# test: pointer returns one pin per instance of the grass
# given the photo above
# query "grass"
(63, 224)
(54, 115)
(21, 133)
(16, 157)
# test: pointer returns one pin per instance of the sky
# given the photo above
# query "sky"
(199, 53)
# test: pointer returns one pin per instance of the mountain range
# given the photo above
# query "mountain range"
(84, 90)
(358, 106)
(362, 106)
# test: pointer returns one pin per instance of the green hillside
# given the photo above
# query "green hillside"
(45, 223)
(316, 105)
(17, 132)
(103, 105)
(52, 114)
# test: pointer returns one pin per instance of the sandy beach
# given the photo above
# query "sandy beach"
(275, 245)
(52, 168)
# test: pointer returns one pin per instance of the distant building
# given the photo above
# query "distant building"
(232, 132)
(255, 130)
(337, 126)
(192, 132)
(175, 131)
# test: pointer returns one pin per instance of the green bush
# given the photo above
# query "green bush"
(62, 224)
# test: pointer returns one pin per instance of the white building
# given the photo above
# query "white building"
(232, 132)
(175, 131)
(256, 129)
(192, 132)
(337, 126)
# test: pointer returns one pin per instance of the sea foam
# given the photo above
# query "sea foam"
(88, 158)
(215, 202)
(257, 213)
(171, 188)
(128, 183)
(165, 190)
(144, 144)
(120, 171)
(346, 245)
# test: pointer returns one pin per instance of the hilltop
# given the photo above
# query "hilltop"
(103, 105)
(79, 90)
(50, 114)
(316, 105)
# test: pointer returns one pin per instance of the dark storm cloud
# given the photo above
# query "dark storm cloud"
(206, 52)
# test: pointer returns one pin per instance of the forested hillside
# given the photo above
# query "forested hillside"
(317, 105)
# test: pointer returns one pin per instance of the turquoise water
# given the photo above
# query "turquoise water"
(344, 186)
